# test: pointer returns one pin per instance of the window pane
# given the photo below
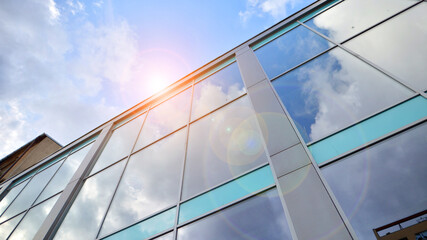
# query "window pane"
(64, 174)
(147, 228)
(29, 226)
(289, 50)
(334, 91)
(260, 217)
(370, 129)
(398, 46)
(227, 193)
(353, 16)
(217, 90)
(165, 118)
(222, 145)
(26, 198)
(84, 217)
(149, 184)
(120, 143)
(7, 227)
(383, 183)
(10, 196)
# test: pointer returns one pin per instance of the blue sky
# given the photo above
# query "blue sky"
(68, 66)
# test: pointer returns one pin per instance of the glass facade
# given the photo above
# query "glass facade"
(198, 162)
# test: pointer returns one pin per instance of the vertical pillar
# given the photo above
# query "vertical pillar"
(72, 189)
(312, 208)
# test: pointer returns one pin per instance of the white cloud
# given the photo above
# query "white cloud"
(60, 81)
(278, 9)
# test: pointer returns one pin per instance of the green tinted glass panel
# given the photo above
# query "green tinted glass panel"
(226, 193)
(370, 129)
(147, 228)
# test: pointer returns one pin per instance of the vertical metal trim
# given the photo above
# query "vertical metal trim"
(264, 143)
(124, 169)
(181, 183)
(317, 170)
(66, 199)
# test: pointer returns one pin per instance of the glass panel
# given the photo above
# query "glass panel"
(10, 196)
(370, 129)
(165, 118)
(147, 228)
(120, 143)
(86, 213)
(64, 174)
(150, 183)
(289, 50)
(217, 90)
(221, 146)
(334, 91)
(353, 16)
(31, 223)
(260, 217)
(398, 46)
(26, 198)
(7, 227)
(383, 183)
(226, 193)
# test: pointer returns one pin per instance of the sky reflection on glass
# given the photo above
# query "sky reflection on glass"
(149, 184)
(120, 143)
(383, 183)
(353, 16)
(7, 227)
(399, 46)
(165, 118)
(10, 196)
(333, 91)
(87, 211)
(216, 90)
(31, 223)
(222, 145)
(64, 174)
(259, 217)
(26, 198)
(289, 50)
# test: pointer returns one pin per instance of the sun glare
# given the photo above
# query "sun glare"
(157, 83)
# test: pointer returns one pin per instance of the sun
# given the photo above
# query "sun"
(157, 83)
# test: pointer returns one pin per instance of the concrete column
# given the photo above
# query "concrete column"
(313, 210)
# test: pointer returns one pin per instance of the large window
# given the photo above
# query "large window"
(383, 183)
(27, 204)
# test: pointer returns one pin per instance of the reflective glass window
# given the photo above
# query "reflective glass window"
(31, 223)
(26, 198)
(226, 193)
(398, 45)
(217, 90)
(165, 118)
(382, 183)
(289, 50)
(221, 146)
(150, 183)
(147, 228)
(10, 196)
(260, 217)
(333, 91)
(85, 215)
(353, 16)
(120, 143)
(7, 227)
(64, 174)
